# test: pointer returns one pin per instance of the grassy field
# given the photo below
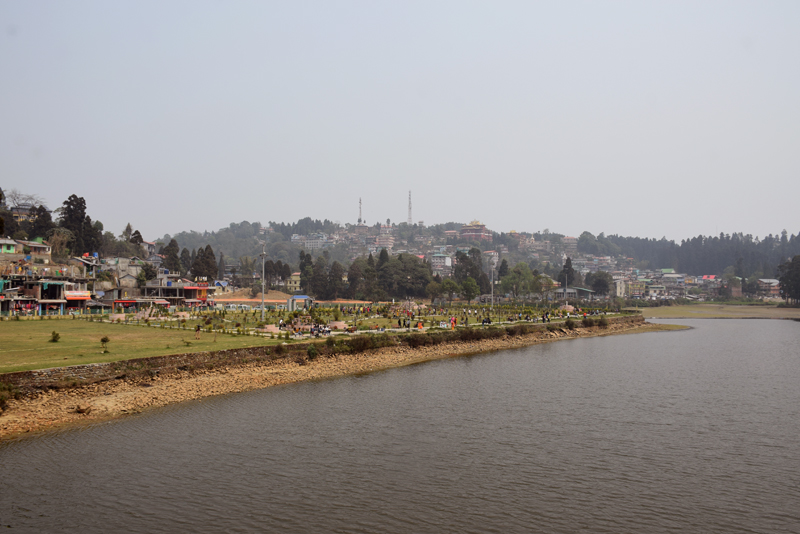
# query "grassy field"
(715, 311)
(25, 345)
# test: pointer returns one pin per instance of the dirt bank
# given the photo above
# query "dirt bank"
(56, 408)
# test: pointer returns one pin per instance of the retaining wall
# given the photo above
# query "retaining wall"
(146, 367)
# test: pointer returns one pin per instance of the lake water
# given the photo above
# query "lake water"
(687, 431)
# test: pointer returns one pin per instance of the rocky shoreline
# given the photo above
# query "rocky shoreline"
(95, 402)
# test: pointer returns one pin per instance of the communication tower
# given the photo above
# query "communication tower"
(409, 209)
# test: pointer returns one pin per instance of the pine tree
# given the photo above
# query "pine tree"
(306, 271)
(42, 222)
(73, 218)
(127, 233)
(92, 235)
(503, 271)
(210, 261)
(567, 274)
(335, 282)
(383, 258)
(319, 278)
(354, 276)
(186, 260)
(221, 267)
(269, 272)
(171, 259)
(198, 265)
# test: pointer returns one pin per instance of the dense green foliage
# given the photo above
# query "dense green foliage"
(401, 276)
(567, 275)
(789, 276)
(304, 226)
(700, 255)
(238, 239)
(74, 233)
(600, 282)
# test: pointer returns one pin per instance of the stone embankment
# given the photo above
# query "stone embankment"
(54, 398)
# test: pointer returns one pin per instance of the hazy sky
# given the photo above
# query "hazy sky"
(639, 118)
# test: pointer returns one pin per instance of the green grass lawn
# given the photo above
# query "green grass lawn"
(25, 345)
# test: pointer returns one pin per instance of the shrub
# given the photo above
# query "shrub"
(476, 334)
(104, 343)
(520, 329)
(419, 340)
(312, 352)
(366, 342)
(7, 391)
(54, 337)
(279, 349)
(603, 322)
(570, 324)
(360, 343)
(587, 322)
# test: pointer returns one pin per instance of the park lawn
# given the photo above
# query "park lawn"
(24, 345)
(720, 311)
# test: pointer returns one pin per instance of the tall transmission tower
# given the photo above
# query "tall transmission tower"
(409, 209)
(359, 210)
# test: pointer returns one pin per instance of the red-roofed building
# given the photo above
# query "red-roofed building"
(475, 231)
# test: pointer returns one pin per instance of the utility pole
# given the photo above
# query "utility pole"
(263, 281)
(491, 262)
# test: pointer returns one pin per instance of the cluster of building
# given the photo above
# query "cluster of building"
(667, 284)
(30, 284)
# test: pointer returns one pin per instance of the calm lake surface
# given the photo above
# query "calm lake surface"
(689, 431)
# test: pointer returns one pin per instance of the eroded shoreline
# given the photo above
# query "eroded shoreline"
(92, 403)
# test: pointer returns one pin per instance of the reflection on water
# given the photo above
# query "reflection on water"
(694, 431)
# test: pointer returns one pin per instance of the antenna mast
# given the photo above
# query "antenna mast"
(409, 209)
(359, 210)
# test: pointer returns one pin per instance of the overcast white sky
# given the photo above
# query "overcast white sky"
(639, 118)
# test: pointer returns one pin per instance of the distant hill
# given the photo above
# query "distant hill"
(741, 254)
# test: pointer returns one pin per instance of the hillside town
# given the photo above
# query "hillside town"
(42, 274)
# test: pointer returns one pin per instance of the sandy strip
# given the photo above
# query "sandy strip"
(117, 398)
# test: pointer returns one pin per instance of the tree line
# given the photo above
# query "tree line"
(744, 255)
(789, 277)
(73, 232)
(402, 276)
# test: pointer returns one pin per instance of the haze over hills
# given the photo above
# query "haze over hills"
(749, 255)
(27, 217)
(329, 260)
